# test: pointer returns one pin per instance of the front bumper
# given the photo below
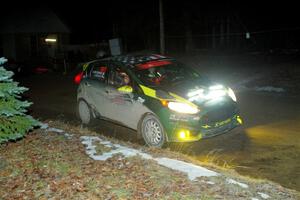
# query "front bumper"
(183, 133)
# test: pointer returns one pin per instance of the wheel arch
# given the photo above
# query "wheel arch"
(94, 112)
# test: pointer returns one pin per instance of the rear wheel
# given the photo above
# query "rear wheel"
(85, 113)
(152, 131)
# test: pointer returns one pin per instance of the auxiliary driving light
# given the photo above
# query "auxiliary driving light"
(184, 134)
(239, 119)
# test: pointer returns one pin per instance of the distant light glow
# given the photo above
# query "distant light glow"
(247, 35)
(50, 40)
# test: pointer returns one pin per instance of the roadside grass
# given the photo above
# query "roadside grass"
(214, 157)
(48, 165)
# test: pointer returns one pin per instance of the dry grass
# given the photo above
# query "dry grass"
(48, 165)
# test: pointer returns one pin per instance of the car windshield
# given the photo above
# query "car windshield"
(164, 72)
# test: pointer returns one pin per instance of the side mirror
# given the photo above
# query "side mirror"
(125, 89)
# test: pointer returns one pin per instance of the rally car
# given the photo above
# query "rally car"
(161, 98)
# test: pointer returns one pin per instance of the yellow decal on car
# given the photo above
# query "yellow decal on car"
(125, 89)
(85, 65)
(149, 92)
(152, 93)
(206, 126)
(223, 122)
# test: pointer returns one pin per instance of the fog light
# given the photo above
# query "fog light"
(184, 134)
(239, 120)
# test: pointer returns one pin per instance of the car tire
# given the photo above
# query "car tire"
(152, 131)
(85, 113)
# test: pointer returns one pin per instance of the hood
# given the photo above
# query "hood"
(183, 88)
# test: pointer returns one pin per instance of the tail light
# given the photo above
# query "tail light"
(78, 78)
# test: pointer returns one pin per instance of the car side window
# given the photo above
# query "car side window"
(99, 72)
(118, 77)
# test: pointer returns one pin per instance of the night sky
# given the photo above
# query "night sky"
(96, 21)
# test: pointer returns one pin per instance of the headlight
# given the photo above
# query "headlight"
(214, 94)
(231, 94)
(182, 108)
(216, 87)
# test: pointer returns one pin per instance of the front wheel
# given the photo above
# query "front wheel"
(152, 131)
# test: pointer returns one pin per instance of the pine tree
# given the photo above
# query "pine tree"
(14, 122)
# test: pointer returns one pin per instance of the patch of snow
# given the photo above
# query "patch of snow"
(240, 86)
(68, 135)
(250, 79)
(263, 195)
(44, 126)
(231, 181)
(193, 171)
(116, 149)
(54, 130)
(254, 199)
(269, 89)
(210, 182)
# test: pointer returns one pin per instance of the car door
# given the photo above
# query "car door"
(96, 85)
(125, 107)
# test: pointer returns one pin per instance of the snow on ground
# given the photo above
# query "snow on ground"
(54, 130)
(263, 195)
(231, 181)
(116, 149)
(46, 127)
(242, 86)
(192, 171)
(269, 89)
